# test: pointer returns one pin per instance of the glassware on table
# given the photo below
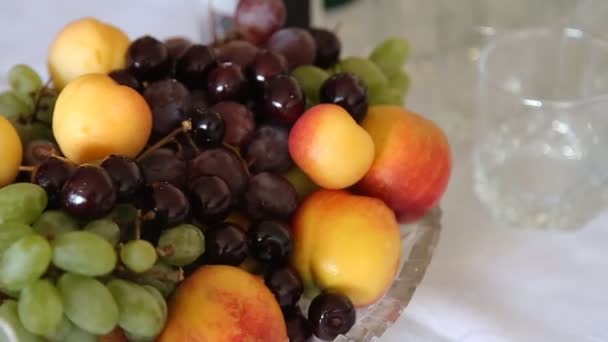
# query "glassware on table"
(463, 29)
(539, 158)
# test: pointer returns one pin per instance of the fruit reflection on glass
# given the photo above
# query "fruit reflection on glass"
(170, 190)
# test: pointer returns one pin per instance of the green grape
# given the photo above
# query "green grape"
(162, 277)
(160, 300)
(46, 106)
(53, 223)
(181, 245)
(11, 329)
(25, 82)
(11, 107)
(138, 255)
(391, 54)
(22, 203)
(78, 335)
(24, 262)
(11, 232)
(400, 80)
(84, 253)
(310, 79)
(63, 330)
(124, 216)
(88, 303)
(140, 312)
(105, 228)
(369, 72)
(40, 307)
(385, 96)
(34, 131)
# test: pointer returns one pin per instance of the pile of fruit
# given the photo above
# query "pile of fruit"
(246, 190)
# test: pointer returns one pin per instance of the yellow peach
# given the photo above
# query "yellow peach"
(11, 152)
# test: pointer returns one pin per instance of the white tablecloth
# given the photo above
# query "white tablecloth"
(486, 283)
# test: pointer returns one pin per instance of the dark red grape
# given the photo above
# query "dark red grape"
(164, 165)
(328, 47)
(126, 174)
(347, 91)
(210, 198)
(224, 163)
(331, 314)
(283, 100)
(37, 151)
(168, 203)
(266, 65)
(226, 244)
(295, 44)
(226, 82)
(269, 195)
(257, 20)
(176, 46)
(268, 150)
(51, 174)
(208, 127)
(238, 120)
(194, 64)
(123, 77)
(197, 99)
(88, 193)
(168, 100)
(285, 285)
(298, 327)
(148, 59)
(239, 52)
(270, 242)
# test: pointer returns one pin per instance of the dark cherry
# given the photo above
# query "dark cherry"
(328, 47)
(210, 198)
(270, 242)
(126, 174)
(194, 64)
(164, 165)
(331, 314)
(197, 99)
(239, 122)
(271, 196)
(208, 127)
(51, 174)
(123, 77)
(298, 327)
(148, 59)
(168, 99)
(37, 151)
(176, 46)
(226, 82)
(168, 203)
(266, 65)
(283, 100)
(285, 285)
(88, 193)
(268, 150)
(226, 244)
(349, 92)
(239, 52)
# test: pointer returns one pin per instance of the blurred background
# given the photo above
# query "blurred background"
(523, 256)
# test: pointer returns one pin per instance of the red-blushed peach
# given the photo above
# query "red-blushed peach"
(330, 147)
(347, 243)
(413, 161)
(223, 304)
(86, 46)
(95, 117)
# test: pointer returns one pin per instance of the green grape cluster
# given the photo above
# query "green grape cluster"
(70, 280)
(383, 73)
(29, 104)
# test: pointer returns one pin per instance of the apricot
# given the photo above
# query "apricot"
(11, 152)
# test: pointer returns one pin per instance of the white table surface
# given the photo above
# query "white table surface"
(486, 283)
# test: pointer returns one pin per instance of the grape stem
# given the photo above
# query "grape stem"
(185, 127)
(138, 220)
(27, 168)
(165, 250)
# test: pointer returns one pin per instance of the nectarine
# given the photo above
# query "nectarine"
(412, 162)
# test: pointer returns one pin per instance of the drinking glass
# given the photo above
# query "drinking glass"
(539, 158)
(463, 29)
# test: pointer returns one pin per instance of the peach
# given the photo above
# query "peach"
(223, 304)
(330, 147)
(347, 243)
(86, 46)
(10, 153)
(413, 161)
(95, 117)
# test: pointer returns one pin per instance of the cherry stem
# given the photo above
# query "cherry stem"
(185, 127)
(27, 168)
